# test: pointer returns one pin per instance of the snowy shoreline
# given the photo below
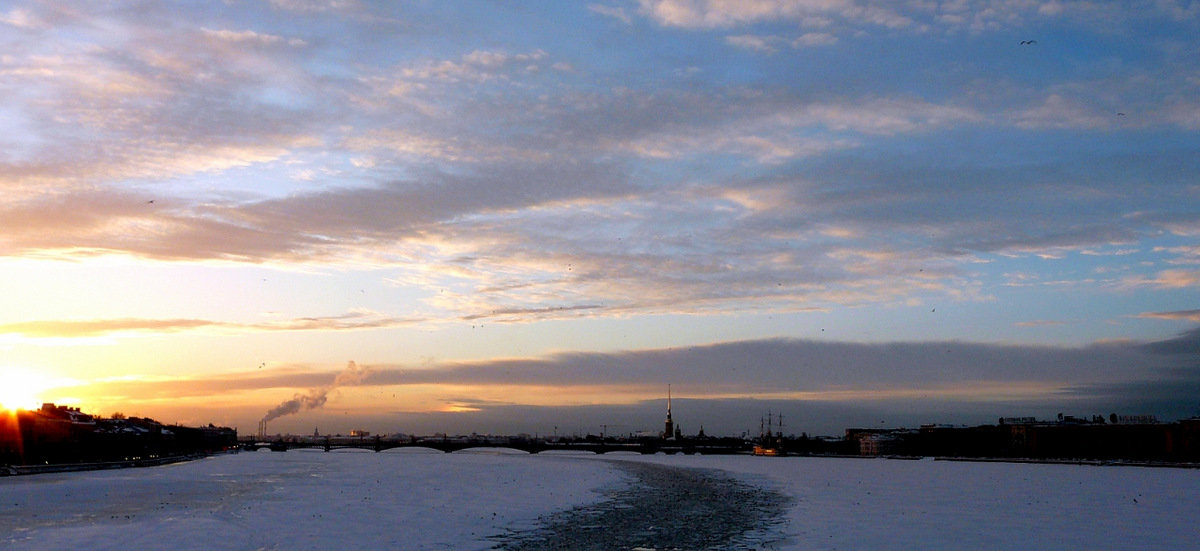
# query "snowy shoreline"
(1085, 462)
(25, 470)
(1025, 460)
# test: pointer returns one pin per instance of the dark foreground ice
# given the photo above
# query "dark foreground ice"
(661, 507)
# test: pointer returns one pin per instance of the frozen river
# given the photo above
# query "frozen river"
(411, 500)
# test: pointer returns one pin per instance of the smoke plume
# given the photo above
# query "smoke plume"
(316, 397)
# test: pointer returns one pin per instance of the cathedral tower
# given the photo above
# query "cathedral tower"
(670, 425)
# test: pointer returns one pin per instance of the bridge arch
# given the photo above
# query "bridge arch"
(493, 450)
(412, 450)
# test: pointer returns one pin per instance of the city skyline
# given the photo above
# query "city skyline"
(456, 217)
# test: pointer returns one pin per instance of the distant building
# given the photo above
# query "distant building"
(360, 433)
(1133, 419)
(66, 413)
(1018, 420)
(878, 444)
(878, 441)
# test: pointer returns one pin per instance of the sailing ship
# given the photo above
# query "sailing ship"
(770, 443)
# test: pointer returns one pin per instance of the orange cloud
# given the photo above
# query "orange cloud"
(1167, 279)
(1185, 315)
(102, 327)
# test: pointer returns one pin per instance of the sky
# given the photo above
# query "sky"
(504, 217)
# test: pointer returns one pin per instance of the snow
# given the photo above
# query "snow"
(295, 500)
(410, 500)
(852, 503)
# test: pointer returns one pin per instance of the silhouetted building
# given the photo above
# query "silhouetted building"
(879, 441)
(61, 434)
(670, 430)
(1129, 438)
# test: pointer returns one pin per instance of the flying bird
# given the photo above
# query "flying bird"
(1028, 42)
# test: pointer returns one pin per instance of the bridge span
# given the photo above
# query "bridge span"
(529, 445)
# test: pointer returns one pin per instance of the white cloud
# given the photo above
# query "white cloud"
(614, 12)
(1166, 279)
(421, 146)
(251, 37)
(21, 18)
(477, 66)
(814, 39)
(314, 6)
(151, 118)
(1185, 114)
(693, 251)
(1184, 315)
(776, 146)
(766, 44)
(1179, 9)
(1057, 111)
(771, 131)
(772, 43)
(1118, 252)
(728, 13)
(914, 16)
(885, 116)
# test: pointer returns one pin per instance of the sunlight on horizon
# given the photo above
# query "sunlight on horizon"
(23, 388)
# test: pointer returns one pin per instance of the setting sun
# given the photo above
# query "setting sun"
(21, 389)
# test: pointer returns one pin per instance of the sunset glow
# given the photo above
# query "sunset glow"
(22, 388)
(463, 216)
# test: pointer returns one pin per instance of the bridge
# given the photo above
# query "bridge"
(530, 445)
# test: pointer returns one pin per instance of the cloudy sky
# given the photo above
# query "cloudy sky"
(531, 217)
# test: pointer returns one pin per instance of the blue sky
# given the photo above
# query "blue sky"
(258, 193)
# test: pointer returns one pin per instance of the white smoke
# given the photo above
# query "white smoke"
(315, 398)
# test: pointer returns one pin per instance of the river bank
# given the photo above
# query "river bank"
(20, 470)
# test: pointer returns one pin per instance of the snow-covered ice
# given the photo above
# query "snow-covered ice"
(296, 500)
(408, 500)
(852, 503)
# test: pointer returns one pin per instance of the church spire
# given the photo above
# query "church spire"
(670, 424)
